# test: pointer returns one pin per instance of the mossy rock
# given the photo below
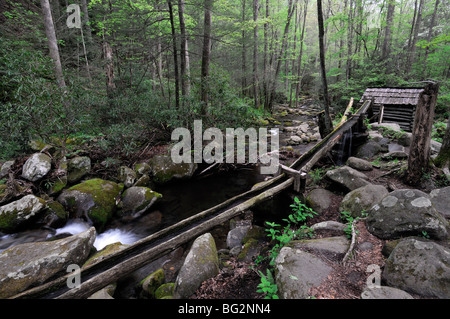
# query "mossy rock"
(54, 215)
(78, 167)
(151, 283)
(165, 170)
(20, 212)
(165, 291)
(250, 250)
(94, 199)
(108, 250)
(136, 200)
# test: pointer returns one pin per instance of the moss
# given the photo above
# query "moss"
(109, 249)
(165, 291)
(103, 194)
(151, 283)
(251, 243)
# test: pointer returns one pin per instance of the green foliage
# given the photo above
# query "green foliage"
(268, 285)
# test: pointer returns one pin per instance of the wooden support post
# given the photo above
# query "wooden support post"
(381, 114)
(294, 173)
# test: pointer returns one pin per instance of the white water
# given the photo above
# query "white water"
(110, 236)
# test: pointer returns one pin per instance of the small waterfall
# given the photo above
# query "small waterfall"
(345, 147)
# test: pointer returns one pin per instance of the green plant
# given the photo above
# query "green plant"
(268, 285)
(347, 216)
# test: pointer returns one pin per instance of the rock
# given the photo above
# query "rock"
(142, 169)
(297, 271)
(105, 293)
(165, 291)
(200, 264)
(59, 178)
(319, 200)
(405, 212)
(329, 225)
(394, 155)
(405, 139)
(36, 167)
(370, 149)
(390, 126)
(362, 199)
(19, 212)
(53, 216)
(136, 200)
(385, 292)
(77, 168)
(144, 180)
(250, 251)
(348, 177)
(152, 282)
(127, 176)
(236, 235)
(164, 170)
(30, 264)
(94, 199)
(5, 168)
(359, 164)
(441, 200)
(334, 247)
(104, 252)
(296, 139)
(421, 267)
(435, 147)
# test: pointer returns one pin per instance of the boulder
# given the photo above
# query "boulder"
(17, 213)
(421, 267)
(405, 212)
(4, 170)
(94, 199)
(165, 291)
(384, 292)
(348, 177)
(329, 225)
(395, 155)
(54, 215)
(127, 176)
(142, 169)
(165, 170)
(359, 164)
(236, 235)
(136, 200)
(77, 168)
(152, 282)
(370, 149)
(334, 247)
(390, 126)
(105, 293)
(30, 264)
(441, 200)
(296, 271)
(36, 167)
(362, 199)
(319, 200)
(200, 264)
(59, 178)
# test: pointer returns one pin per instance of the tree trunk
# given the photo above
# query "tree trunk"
(244, 55)
(419, 154)
(266, 47)
(283, 48)
(52, 43)
(412, 48)
(328, 126)
(430, 34)
(387, 31)
(443, 159)
(255, 53)
(348, 70)
(299, 80)
(206, 56)
(184, 54)
(87, 26)
(175, 56)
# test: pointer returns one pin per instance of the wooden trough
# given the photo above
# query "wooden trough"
(394, 105)
(117, 265)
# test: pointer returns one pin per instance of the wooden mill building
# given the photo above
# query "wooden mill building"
(394, 105)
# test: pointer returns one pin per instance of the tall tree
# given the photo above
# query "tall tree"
(52, 42)
(206, 56)
(430, 34)
(386, 49)
(175, 55)
(328, 126)
(184, 53)
(255, 53)
(412, 47)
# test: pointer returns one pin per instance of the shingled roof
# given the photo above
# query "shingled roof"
(393, 96)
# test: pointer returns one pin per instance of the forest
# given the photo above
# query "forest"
(125, 73)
